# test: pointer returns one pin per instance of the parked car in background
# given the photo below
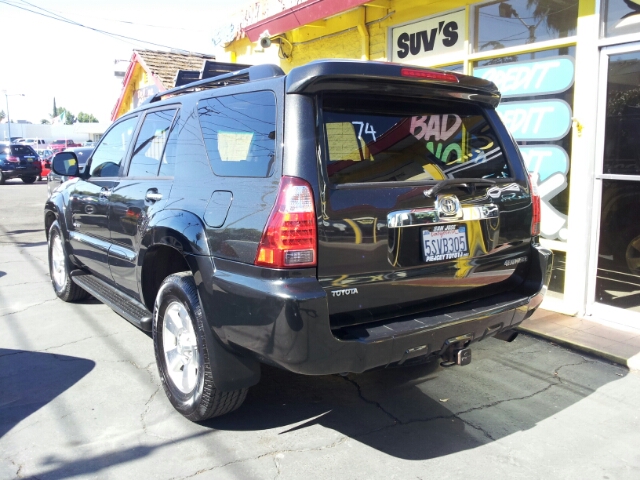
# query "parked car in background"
(88, 143)
(46, 155)
(19, 161)
(34, 142)
(54, 180)
(59, 145)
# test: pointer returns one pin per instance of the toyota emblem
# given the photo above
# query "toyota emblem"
(448, 206)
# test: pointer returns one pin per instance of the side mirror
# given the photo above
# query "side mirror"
(66, 164)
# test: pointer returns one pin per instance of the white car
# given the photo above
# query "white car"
(34, 142)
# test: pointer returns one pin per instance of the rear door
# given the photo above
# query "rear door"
(138, 196)
(420, 208)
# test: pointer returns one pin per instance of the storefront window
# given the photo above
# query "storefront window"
(618, 279)
(520, 22)
(458, 68)
(620, 17)
(536, 106)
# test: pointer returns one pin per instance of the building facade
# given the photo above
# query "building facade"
(150, 72)
(569, 73)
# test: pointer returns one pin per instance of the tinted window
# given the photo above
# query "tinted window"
(239, 132)
(108, 156)
(22, 150)
(397, 142)
(168, 164)
(150, 144)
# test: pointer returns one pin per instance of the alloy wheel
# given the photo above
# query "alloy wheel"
(180, 347)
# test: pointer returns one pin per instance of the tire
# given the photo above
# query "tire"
(182, 355)
(2, 178)
(28, 179)
(59, 267)
(632, 255)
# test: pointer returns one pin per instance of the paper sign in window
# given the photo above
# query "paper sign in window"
(234, 146)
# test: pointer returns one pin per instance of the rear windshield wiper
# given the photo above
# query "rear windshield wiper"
(457, 181)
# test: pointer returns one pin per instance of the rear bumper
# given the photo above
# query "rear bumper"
(9, 171)
(283, 319)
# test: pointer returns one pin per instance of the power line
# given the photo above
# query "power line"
(60, 18)
(126, 22)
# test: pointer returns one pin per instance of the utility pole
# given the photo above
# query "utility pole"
(6, 98)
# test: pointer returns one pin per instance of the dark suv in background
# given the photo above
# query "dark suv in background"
(19, 161)
(345, 216)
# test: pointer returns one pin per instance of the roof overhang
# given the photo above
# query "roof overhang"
(299, 15)
(135, 60)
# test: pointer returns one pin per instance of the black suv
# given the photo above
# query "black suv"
(19, 161)
(345, 216)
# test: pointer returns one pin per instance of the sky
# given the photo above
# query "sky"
(43, 58)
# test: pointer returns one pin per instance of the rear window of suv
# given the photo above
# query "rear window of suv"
(375, 140)
(22, 150)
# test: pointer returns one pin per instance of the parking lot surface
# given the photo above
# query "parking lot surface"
(80, 397)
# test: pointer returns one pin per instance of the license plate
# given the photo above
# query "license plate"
(444, 242)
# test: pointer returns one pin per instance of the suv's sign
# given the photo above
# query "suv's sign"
(416, 42)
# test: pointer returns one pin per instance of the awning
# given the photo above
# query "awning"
(300, 15)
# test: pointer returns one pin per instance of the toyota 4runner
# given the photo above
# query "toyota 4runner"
(345, 216)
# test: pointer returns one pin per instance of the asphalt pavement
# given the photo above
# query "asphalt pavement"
(80, 397)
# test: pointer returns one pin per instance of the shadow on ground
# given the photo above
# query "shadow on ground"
(412, 414)
(400, 412)
(30, 380)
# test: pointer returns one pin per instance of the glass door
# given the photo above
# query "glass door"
(615, 263)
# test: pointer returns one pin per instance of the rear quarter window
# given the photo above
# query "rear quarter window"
(239, 132)
(377, 140)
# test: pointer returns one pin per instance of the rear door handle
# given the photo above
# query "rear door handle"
(153, 195)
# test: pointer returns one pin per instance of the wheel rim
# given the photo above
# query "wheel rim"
(58, 266)
(633, 255)
(181, 354)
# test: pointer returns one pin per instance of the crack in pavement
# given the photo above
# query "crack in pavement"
(276, 462)
(583, 362)
(395, 419)
(26, 283)
(63, 345)
(506, 400)
(30, 306)
(19, 466)
(464, 412)
(269, 454)
(147, 405)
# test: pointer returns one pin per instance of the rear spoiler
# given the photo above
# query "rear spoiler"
(388, 78)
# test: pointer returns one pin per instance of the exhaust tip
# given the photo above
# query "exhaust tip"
(507, 336)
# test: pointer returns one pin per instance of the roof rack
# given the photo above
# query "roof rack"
(255, 72)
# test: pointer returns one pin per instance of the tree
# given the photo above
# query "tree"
(2, 115)
(44, 121)
(55, 110)
(69, 118)
(561, 16)
(86, 118)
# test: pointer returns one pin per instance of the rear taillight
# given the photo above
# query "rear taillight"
(429, 75)
(290, 239)
(11, 158)
(535, 201)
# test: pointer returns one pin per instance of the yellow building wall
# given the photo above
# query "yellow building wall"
(139, 79)
(359, 34)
